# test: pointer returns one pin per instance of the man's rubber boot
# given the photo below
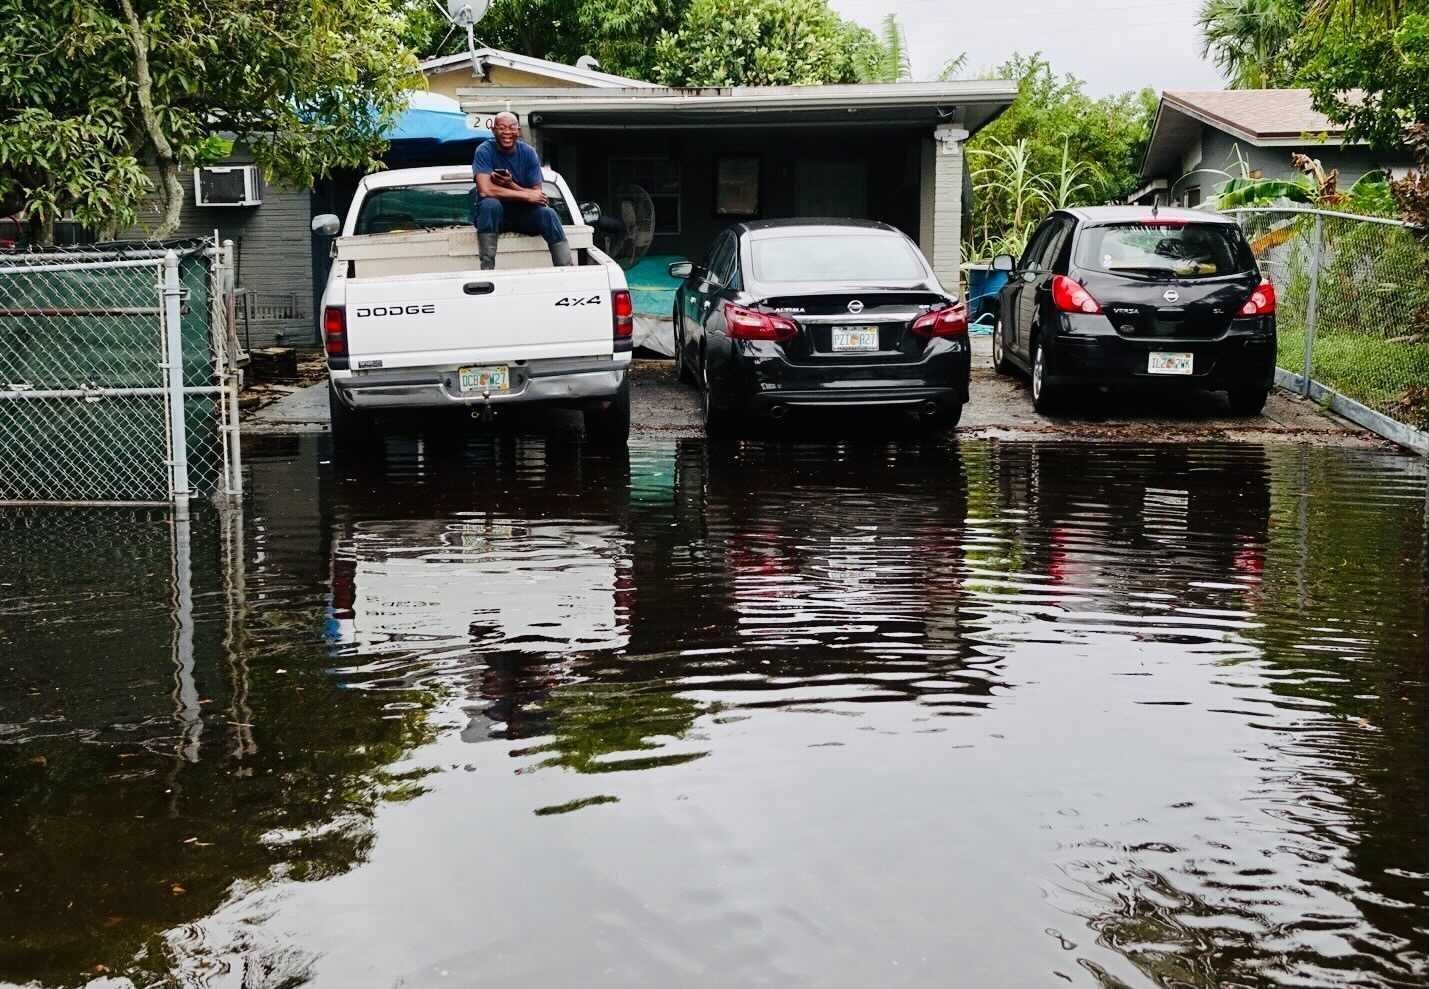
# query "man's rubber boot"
(561, 254)
(486, 250)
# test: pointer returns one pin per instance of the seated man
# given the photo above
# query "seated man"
(509, 197)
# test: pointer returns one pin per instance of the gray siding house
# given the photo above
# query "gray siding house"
(1200, 139)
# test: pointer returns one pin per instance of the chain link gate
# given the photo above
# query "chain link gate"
(118, 376)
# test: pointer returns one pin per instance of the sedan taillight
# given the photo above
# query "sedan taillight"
(746, 324)
(1071, 296)
(950, 321)
(1261, 301)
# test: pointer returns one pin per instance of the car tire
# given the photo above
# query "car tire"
(351, 430)
(946, 418)
(608, 424)
(1000, 363)
(719, 423)
(1247, 402)
(1046, 397)
(683, 374)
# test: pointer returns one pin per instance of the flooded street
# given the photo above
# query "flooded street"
(498, 710)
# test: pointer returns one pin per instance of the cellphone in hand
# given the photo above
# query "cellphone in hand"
(502, 173)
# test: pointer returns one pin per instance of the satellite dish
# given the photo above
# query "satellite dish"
(466, 13)
(588, 62)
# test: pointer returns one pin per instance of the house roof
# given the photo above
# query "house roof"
(1255, 115)
(1264, 118)
(969, 104)
(536, 66)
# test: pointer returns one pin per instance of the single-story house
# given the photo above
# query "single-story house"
(706, 158)
(1200, 139)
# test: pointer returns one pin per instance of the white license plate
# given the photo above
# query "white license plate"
(1160, 362)
(855, 338)
(485, 379)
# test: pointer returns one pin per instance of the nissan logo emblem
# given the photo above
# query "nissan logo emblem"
(1172, 295)
(855, 307)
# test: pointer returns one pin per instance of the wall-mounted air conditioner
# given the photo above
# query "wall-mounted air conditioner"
(228, 185)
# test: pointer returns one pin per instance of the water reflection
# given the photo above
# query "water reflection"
(819, 713)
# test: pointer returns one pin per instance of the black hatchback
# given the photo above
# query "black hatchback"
(1123, 295)
(809, 314)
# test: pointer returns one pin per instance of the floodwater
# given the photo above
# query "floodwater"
(865, 714)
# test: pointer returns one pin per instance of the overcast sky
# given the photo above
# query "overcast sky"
(1112, 44)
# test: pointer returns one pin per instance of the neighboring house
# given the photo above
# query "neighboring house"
(491, 67)
(1200, 139)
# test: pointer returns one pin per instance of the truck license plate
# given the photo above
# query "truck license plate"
(855, 338)
(1161, 362)
(485, 379)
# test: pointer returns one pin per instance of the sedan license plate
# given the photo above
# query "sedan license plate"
(855, 339)
(485, 379)
(1161, 362)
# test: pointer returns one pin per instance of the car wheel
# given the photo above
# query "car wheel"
(608, 424)
(719, 423)
(947, 417)
(1000, 363)
(1045, 395)
(682, 369)
(1247, 401)
(351, 430)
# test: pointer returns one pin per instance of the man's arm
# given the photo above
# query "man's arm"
(488, 188)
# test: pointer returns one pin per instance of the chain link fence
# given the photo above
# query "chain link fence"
(1352, 313)
(118, 377)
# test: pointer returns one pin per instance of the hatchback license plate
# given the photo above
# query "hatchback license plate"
(855, 338)
(485, 379)
(1164, 363)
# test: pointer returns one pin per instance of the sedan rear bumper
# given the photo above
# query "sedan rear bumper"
(755, 378)
(1088, 352)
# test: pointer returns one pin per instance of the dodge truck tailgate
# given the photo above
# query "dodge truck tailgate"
(474, 316)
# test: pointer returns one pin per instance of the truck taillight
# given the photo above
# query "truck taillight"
(623, 312)
(335, 330)
(1261, 301)
(1071, 296)
(950, 321)
(746, 324)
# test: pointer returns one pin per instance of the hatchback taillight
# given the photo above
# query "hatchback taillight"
(1261, 301)
(1071, 296)
(335, 330)
(623, 312)
(950, 321)
(746, 324)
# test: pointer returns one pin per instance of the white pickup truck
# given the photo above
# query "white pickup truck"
(411, 322)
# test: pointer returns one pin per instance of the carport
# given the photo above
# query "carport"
(711, 157)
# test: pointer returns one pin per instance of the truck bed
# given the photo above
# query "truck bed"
(447, 250)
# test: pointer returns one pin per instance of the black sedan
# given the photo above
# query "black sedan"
(1121, 295)
(791, 314)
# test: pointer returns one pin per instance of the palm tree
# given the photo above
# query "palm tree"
(1250, 39)
(887, 58)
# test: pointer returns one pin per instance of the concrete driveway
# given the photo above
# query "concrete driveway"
(1001, 408)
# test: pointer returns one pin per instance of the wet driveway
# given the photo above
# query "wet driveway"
(492, 711)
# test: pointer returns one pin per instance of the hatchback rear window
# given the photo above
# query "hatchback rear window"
(1152, 250)
(835, 258)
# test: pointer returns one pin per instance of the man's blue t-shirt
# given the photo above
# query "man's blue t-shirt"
(523, 163)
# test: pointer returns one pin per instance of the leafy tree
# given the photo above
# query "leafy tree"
(760, 42)
(1251, 41)
(1074, 150)
(305, 87)
(887, 61)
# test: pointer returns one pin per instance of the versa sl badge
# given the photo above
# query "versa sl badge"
(594, 300)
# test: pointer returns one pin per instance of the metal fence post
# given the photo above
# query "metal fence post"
(1317, 252)
(231, 351)
(174, 362)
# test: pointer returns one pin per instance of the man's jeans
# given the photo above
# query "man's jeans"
(496, 217)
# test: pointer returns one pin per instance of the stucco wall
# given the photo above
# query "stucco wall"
(447, 83)
(273, 246)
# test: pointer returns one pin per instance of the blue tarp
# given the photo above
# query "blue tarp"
(435, 127)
